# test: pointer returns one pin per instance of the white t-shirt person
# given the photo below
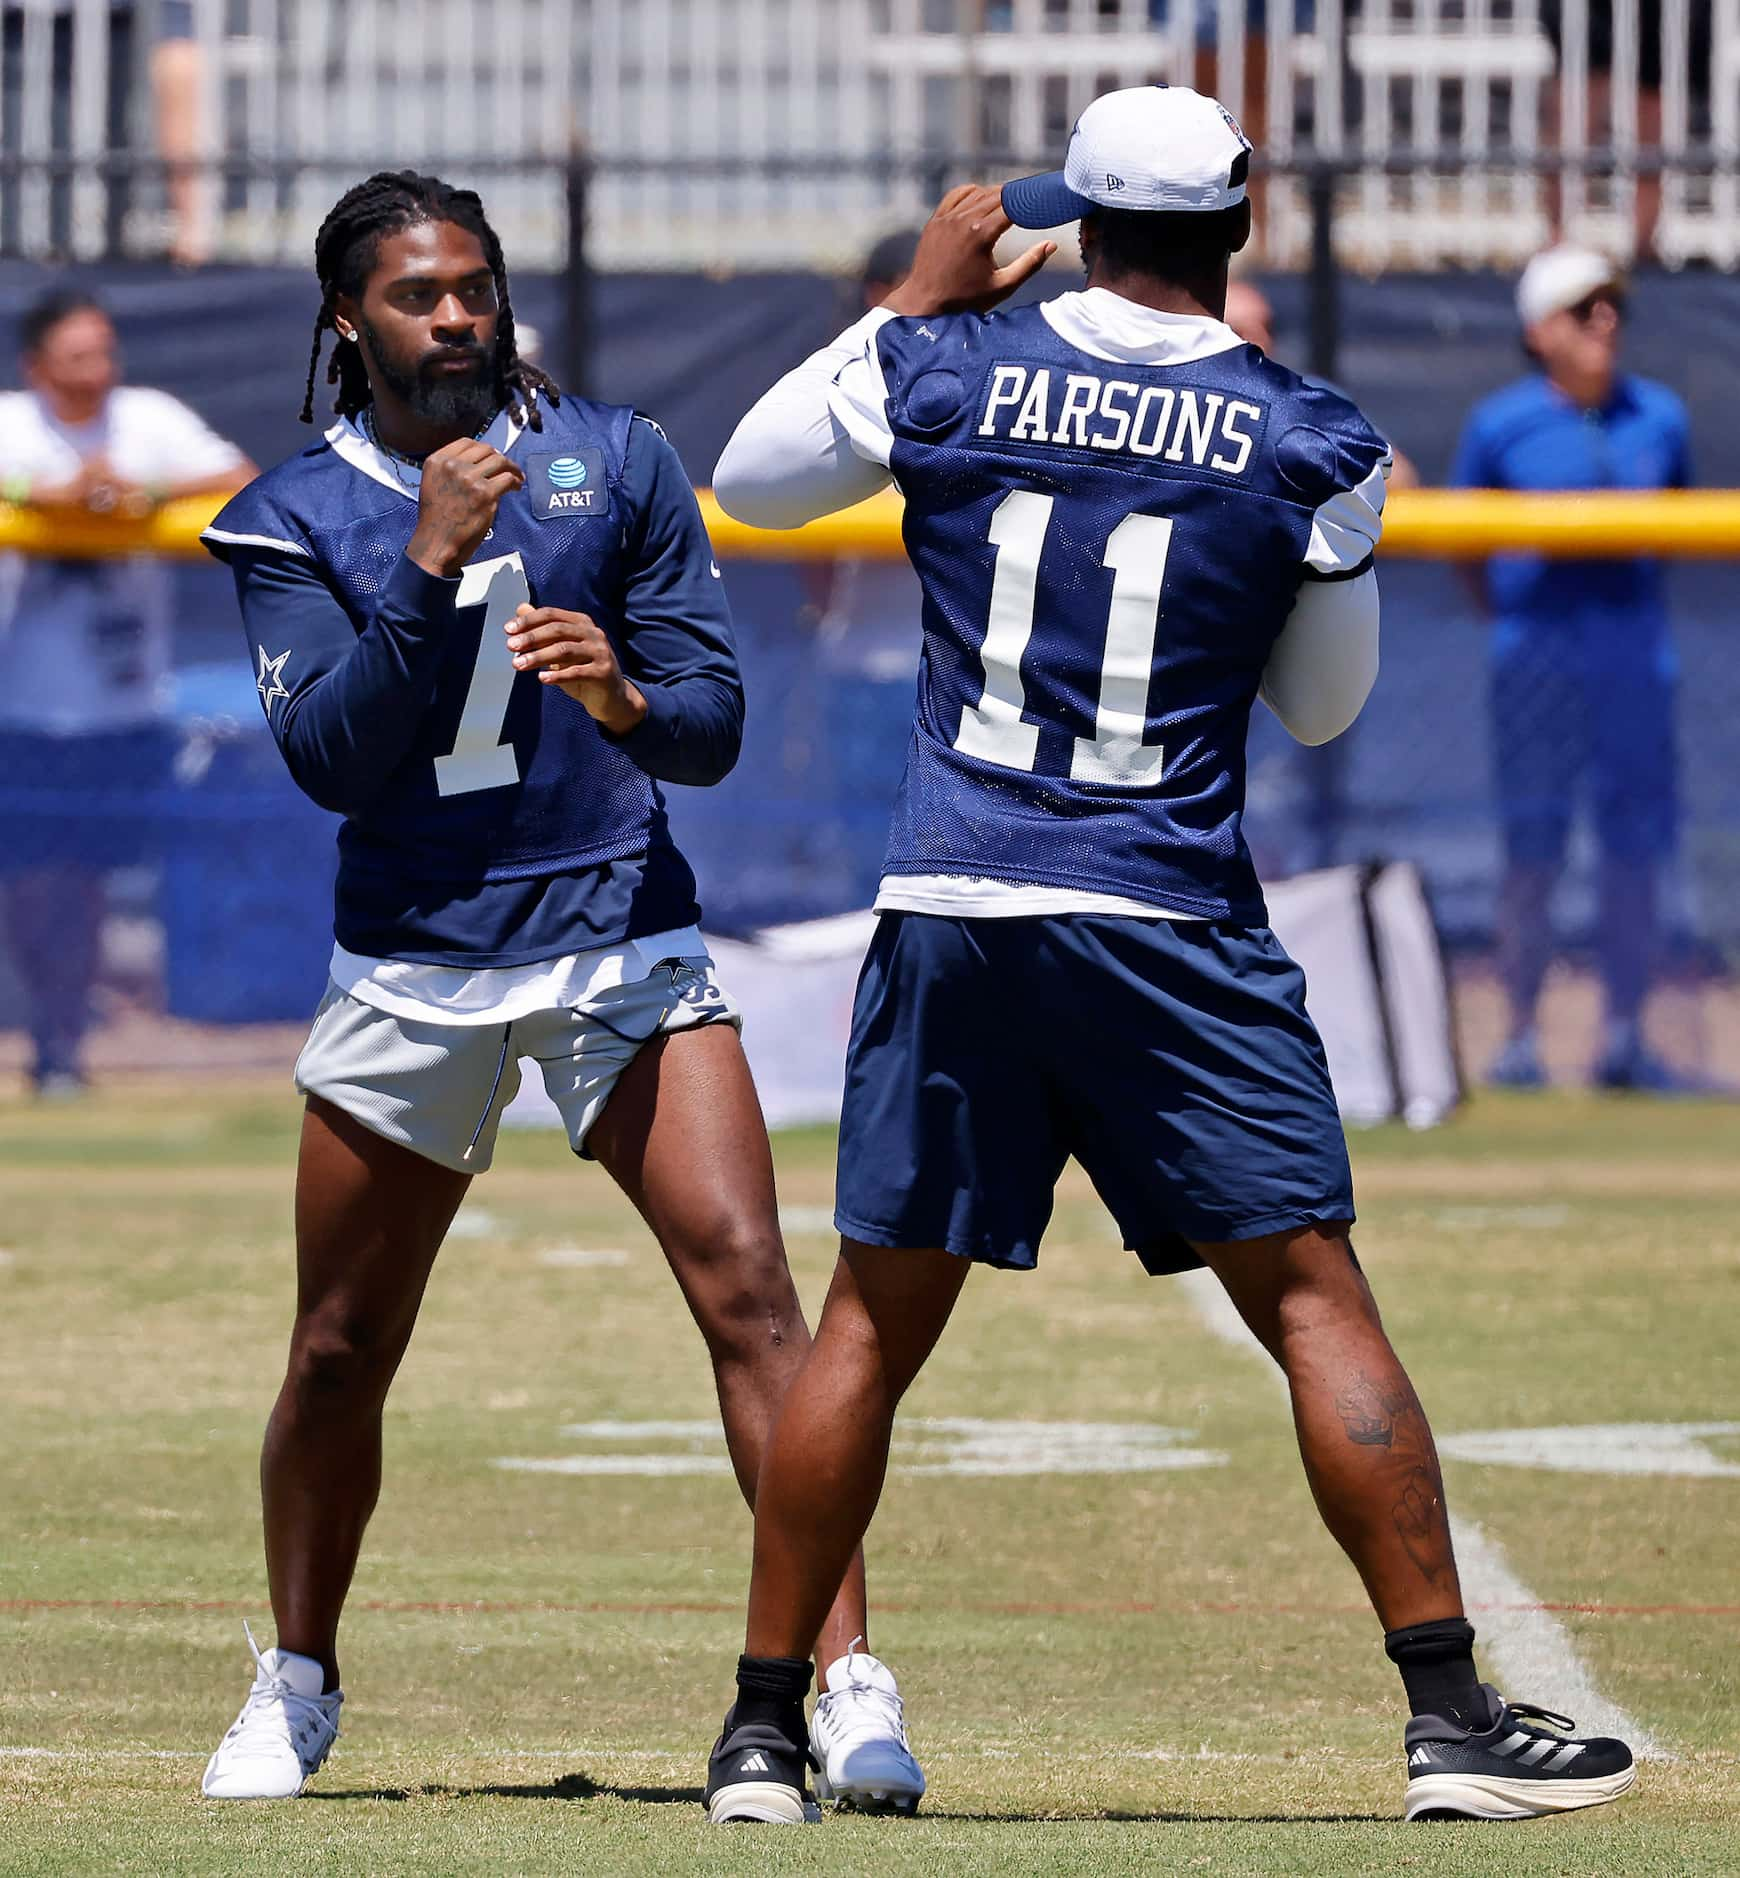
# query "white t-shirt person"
(85, 645)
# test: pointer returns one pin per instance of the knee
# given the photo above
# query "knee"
(338, 1359)
(1331, 1295)
(741, 1291)
(1295, 1285)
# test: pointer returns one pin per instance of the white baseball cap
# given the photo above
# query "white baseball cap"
(1155, 147)
(1559, 278)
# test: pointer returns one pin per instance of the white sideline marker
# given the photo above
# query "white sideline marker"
(959, 1445)
(582, 1258)
(474, 1222)
(1659, 1449)
(1481, 1218)
(819, 1219)
(1526, 1648)
(670, 1757)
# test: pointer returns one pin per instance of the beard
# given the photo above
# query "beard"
(464, 403)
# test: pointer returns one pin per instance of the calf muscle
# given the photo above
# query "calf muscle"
(1363, 1436)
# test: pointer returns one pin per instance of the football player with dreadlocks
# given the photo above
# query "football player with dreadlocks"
(488, 624)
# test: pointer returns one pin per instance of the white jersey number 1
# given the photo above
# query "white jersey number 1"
(994, 729)
(479, 758)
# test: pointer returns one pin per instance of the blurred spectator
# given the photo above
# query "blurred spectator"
(1645, 23)
(149, 39)
(867, 651)
(1250, 315)
(1582, 666)
(84, 654)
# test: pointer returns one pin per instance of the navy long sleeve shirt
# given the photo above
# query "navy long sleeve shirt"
(490, 820)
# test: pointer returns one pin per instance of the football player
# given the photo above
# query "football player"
(487, 624)
(1128, 525)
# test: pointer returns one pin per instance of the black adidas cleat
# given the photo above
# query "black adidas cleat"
(755, 1773)
(1510, 1769)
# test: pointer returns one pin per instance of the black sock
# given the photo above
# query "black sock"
(771, 1689)
(1437, 1665)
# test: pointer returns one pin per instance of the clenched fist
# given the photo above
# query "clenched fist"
(463, 484)
(571, 650)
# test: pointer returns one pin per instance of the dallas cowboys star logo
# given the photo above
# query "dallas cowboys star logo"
(270, 683)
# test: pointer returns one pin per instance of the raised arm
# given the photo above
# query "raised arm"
(817, 442)
(820, 439)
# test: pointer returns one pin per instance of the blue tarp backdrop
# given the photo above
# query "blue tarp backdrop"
(1411, 781)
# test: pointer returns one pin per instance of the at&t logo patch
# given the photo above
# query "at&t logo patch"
(568, 485)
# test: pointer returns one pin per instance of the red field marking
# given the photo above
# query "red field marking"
(625, 1608)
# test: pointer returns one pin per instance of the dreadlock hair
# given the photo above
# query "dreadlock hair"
(345, 252)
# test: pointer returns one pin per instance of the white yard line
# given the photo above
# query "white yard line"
(476, 1222)
(583, 1258)
(657, 1757)
(816, 1219)
(104, 1754)
(1524, 1648)
(1490, 1218)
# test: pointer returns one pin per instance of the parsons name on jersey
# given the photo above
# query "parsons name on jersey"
(1181, 423)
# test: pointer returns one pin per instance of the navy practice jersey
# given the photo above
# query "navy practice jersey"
(1109, 543)
(489, 819)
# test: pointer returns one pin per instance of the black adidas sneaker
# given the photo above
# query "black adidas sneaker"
(755, 1773)
(1511, 1768)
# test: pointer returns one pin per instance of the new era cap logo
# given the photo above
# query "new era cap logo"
(752, 1764)
(1114, 182)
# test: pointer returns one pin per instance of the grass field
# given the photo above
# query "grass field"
(1106, 1671)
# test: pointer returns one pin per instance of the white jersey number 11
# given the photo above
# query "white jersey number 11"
(993, 729)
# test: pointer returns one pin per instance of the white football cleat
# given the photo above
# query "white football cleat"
(858, 1737)
(285, 1731)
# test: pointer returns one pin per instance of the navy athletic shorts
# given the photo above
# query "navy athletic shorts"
(1173, 1059)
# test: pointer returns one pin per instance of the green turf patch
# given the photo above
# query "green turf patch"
(1106, 1671)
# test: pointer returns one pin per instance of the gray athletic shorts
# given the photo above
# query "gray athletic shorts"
(440, 1088)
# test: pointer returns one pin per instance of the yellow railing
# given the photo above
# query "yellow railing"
(1427, 524)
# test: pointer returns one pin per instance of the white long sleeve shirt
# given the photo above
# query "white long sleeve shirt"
(85, 645)
(820, 441)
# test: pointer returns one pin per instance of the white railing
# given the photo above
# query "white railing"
(774, 133)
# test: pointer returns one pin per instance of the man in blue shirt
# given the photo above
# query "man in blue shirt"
(1582, 676)
(486, 624)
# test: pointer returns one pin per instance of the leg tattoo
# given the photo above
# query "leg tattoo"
(1387, 1414)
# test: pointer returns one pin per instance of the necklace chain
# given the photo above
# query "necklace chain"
(399, 456)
